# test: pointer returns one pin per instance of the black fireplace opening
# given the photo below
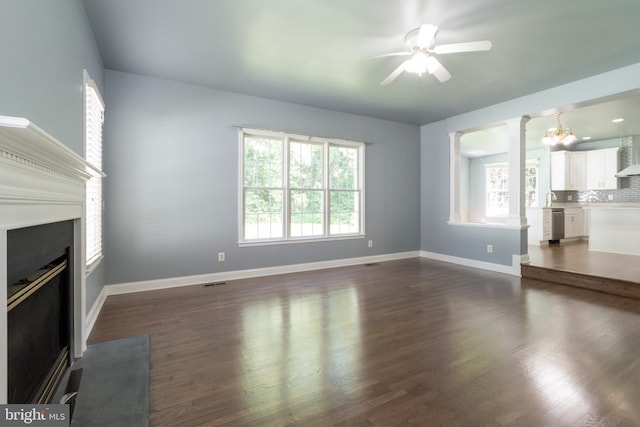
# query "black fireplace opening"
(39, 310)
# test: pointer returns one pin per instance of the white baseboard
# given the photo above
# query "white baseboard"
(92, 315)
(520, 259)
(173, 282)
(148, 285)
(513, 269)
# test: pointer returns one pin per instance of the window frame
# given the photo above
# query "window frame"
(286, 139)
(494, 213)
(534, 164)
(529, 164)
(93, 155)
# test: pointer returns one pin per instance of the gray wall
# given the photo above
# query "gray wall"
(436, 235)
(171, 155)
(46, 46)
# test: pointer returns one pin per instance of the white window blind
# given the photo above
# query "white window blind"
(94, 117)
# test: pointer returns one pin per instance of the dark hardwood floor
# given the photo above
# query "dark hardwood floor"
(571, 263)
(403, 342)
(576, 257)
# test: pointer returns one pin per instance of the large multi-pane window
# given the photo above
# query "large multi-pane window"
(296, 187)
(497, 187)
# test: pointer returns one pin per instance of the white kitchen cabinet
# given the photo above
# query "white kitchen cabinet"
(602, 166)
(573, 222)
(568, 170)
(539, 221)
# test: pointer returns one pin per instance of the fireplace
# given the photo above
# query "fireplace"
(39, 314)
(42, 191)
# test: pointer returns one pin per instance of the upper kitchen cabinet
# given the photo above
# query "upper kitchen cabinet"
(568, 170)
(602, 166)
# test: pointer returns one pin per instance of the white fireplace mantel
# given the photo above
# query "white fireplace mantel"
(41, 181)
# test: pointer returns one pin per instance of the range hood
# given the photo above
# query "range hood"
(634, 168)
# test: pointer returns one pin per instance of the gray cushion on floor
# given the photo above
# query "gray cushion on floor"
(114, 390)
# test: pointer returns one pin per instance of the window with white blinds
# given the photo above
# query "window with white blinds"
(94, 117)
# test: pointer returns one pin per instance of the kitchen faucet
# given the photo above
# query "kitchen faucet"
(551, 196)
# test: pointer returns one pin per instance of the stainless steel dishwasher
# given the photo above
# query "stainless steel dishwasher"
(557, 225)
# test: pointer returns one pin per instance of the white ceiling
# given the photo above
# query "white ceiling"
(312, 51)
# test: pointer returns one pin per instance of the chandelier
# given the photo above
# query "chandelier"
(559, 135)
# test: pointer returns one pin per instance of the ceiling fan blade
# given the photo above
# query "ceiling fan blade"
(463, 47)
(435, 67)
(394, 74)
(426, 35)
(384, 55)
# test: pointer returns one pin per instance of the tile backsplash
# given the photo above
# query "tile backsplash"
(628, 188)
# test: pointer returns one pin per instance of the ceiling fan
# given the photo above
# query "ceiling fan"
(420, 42)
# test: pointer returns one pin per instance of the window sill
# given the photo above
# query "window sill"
(503, 226)
(301, 240)
(92, 267)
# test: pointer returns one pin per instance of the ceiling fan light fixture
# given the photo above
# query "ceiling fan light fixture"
(559, 135)
(423, 52)
(418, 64)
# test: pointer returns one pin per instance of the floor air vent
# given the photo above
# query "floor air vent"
(207, 285)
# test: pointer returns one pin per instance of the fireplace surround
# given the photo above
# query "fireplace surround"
(41, 182)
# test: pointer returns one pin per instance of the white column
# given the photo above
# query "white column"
(517, 163)
(454, 172)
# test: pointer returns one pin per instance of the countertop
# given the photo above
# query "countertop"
(593, 205)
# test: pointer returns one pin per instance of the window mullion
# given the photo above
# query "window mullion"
(360, 191)
(286, 193)
(242, 189)
(325, 189)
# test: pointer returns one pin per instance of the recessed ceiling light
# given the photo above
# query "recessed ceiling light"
(619, 120)
(586, 138)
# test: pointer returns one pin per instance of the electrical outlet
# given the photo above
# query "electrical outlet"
(569, 197)
(610, 196)
(220, 256)
(370, 243)
(490, 249)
